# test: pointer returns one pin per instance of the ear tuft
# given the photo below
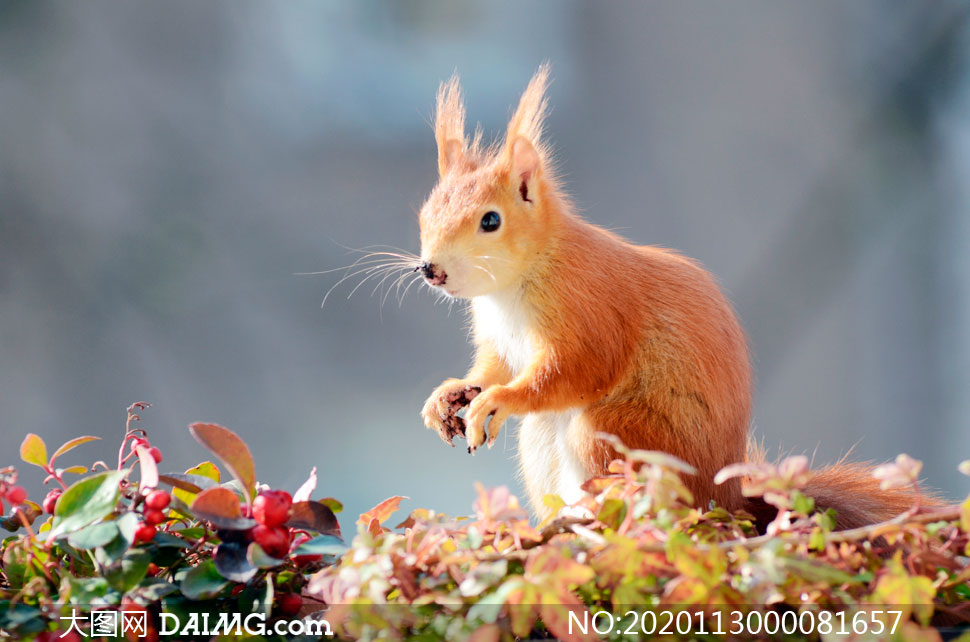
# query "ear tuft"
(529, 115)
(449, 125)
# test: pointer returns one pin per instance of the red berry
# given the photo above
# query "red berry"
(51, 500)
(272, 539)
(144, 533)
(156, 454)
(151, 635)
(246, 511)
(271, 507)
(237, 589)
(158, 499)
(289, 604)
(153, 569)
(154, 517)
(16, 495)
(138, 441)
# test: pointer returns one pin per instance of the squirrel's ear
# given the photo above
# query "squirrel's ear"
(524, 165)
(450, 155)
(449, 126)
(523, 145)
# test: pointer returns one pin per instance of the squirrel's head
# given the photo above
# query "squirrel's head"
(486, 221)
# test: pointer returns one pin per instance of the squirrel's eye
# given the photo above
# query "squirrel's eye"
(491, 221)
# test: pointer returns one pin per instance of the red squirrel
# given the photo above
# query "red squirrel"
(579, 331)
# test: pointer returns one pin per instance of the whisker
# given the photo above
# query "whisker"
(390, 288)
(377, 272)
(491, 258)
(389, 274)
(359, 262)
(379, 246)
(365, 270)
(413, 281)
(475, 265)
(396, 285)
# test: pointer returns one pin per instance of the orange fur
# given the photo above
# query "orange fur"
(579, 331)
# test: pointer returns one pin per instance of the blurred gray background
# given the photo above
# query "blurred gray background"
(167, 168)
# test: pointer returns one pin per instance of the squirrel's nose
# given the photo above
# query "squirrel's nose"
(434, 274)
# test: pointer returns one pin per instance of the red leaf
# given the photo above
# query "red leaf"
(230, 449)
(304, 492)
(314, 516)
(382, 511)
(149, 469)
(221, 507)
(375, 527)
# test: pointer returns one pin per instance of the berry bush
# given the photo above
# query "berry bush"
(626, 563)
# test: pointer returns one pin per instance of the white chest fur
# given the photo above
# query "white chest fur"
(505, 321)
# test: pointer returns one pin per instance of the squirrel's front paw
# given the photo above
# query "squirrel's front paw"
(491, 403)
(441, 408)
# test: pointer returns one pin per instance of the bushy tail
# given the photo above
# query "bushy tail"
(853, 492)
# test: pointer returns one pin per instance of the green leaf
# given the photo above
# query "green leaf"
(613, 512)
(75, 470)
(260, 559)
(233, 563)
(71, 445)
(815, 571)
(802, 503)
(112, 551)
(332, 504)
(16, 615)
(816, 540)
(230, 449)
(192, 532)
(33, 450)
(553, 502)
(93, 536)
(266, 605)
(187, 482)
(15, 563)
(483, 577)
(256, 598)
(193, 481)
(203, 582)
(206, 469)
(127, 525)
(322, 545)
(167, 540)
(154, 589)
(85, 502)
(125, 574)
(89, 590)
